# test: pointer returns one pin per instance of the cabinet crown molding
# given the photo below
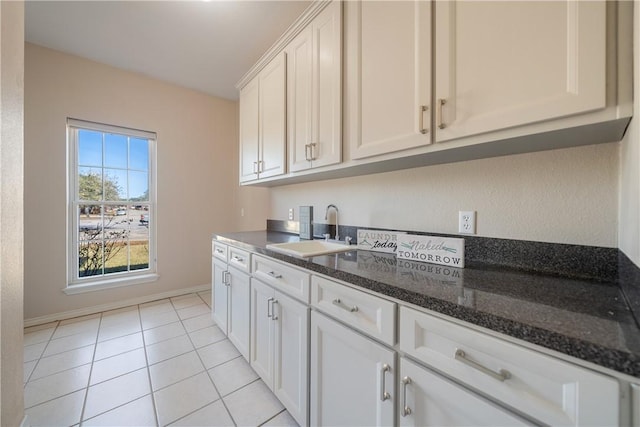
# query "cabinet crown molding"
(303, 20)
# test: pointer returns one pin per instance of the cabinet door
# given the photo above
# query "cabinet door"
(427, 399)
(291, 355)
(249, 130)
(239, 310)
(261, 345)
(299, 102)
(349, 376)
(314, 91)
(327, 86)
(272, 99)
(503, 64)
(220, 302)
(389, 75)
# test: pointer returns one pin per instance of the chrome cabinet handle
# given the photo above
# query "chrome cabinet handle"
(440, 102)
(269, 306)
(501, 375)
(255, 167)
(226, 278)
(237, 258)
(312, 149)
(260, 166)
(421, 112)
(219, 251)
(275, 275)
(405, 409)
(273, 312)
(343, 306)
(306, 151)
(384, 394)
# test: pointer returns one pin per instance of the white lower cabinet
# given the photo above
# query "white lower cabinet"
(546, 389)
(279, 346)
(352, 377)
(428, 399)
(231, 304)
(220, 304)
(337, 363)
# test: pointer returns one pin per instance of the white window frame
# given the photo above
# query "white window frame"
(75, 283)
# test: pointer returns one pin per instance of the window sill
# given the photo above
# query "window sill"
(100, 285)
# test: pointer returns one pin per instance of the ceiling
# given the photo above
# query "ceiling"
(203, 45)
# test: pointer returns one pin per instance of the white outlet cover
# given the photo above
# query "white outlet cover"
(467, 222)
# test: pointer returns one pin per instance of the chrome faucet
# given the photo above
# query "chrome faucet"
(326, 217)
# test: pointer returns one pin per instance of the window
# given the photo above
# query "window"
(111, 206)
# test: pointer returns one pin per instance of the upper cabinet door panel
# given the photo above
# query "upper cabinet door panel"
(273, 117)
(504, 64)
(300, 99)
(327, 80)
(314, 86)
(389, 75)
(249, 131)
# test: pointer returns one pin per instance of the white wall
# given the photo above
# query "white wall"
(559, 196)
(629, 221)
(197, 156)
(11, 210)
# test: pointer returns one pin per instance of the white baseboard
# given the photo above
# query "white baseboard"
(113, 306)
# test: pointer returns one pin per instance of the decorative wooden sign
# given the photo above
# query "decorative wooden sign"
(378, 240)
(436, 250)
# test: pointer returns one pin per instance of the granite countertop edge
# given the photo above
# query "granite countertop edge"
(624, 362)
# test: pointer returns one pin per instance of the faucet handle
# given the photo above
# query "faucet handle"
(348, 240)
(326, 236)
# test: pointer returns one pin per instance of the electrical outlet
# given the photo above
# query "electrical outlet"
(467, 222)
(290, 214)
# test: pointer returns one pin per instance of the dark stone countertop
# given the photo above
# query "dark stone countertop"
(585, 319)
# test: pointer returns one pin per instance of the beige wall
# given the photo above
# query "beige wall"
(197, 172)
(11, 210)
(560, 196)
(629, 221)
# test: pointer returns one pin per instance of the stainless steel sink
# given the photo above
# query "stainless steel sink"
(309, 248)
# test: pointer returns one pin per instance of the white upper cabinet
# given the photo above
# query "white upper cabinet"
(504, 64)
(262, 123)
(388, 76)
(314, 92)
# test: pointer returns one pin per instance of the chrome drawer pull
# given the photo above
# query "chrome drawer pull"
(501, 375)
(225, 278)
(344, 306)
(440, 103)
(384, 394)
(237, 258)
(421, 112)
(275, 275)
(405, 409)
(273, 312)
(269, 306)
(219, 251)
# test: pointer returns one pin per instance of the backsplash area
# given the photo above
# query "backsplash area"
(574, 261)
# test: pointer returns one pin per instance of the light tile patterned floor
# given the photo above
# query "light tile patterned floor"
(156, 364)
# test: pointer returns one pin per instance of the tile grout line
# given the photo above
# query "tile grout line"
(86, 394)
(275, 416)
(208, 374)
(146, 358)
(41, 354)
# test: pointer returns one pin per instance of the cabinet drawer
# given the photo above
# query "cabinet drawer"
(548, 389)
(289, 280)
(239, 258)
(219, 250)
(372, 315)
